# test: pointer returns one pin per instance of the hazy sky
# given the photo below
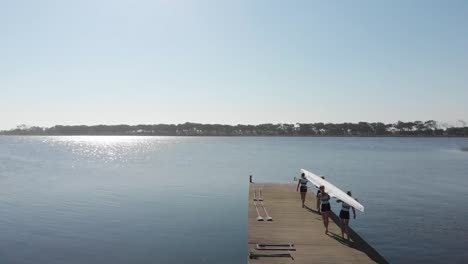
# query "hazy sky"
(93, 62)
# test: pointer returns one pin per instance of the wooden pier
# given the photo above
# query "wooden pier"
(302, 228)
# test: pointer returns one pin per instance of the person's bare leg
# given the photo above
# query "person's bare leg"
(323, 218)
(328, 220)
(303, 195)
(342, 222)
(325, 221)
(345, 223)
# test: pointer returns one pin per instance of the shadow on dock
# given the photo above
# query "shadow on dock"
(357, 242)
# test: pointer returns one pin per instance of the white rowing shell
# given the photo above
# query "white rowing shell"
(332, 190)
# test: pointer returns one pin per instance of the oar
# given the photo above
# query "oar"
(259, 198)
(259, 217)
(268, 217)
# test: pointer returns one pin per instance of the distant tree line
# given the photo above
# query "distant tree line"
(363, 129)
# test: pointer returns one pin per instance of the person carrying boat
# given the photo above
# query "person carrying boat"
(302, 183)
(318, 192)
(323, 200)
(344, 216)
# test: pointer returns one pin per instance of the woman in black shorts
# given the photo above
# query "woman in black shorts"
(318, 192)
(324, 200)
(344, 216)
(303, 184)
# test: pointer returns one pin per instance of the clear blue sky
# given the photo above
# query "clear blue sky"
(110, 62)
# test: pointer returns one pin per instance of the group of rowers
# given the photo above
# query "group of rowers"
(323, 205)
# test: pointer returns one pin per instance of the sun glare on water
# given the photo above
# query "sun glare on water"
(111, 148)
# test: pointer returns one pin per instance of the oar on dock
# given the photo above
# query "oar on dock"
(268, 217)
(260, 198)
(259, 217)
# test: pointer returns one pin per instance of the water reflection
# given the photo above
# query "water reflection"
(111, 148)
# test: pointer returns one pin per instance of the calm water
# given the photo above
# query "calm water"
(184, 200)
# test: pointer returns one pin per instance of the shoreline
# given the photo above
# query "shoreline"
(232, 136)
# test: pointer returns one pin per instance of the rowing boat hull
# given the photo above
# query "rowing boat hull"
(332, 190)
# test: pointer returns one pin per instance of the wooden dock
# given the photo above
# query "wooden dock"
(302, 227)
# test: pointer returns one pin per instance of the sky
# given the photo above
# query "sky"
(230, 62)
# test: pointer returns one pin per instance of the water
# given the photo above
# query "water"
(184, 200)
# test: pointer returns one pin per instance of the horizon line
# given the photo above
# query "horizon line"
(462, 123)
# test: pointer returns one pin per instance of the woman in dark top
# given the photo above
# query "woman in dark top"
(302, 182)
(318, 192)
(324, 200)
(344, 216)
